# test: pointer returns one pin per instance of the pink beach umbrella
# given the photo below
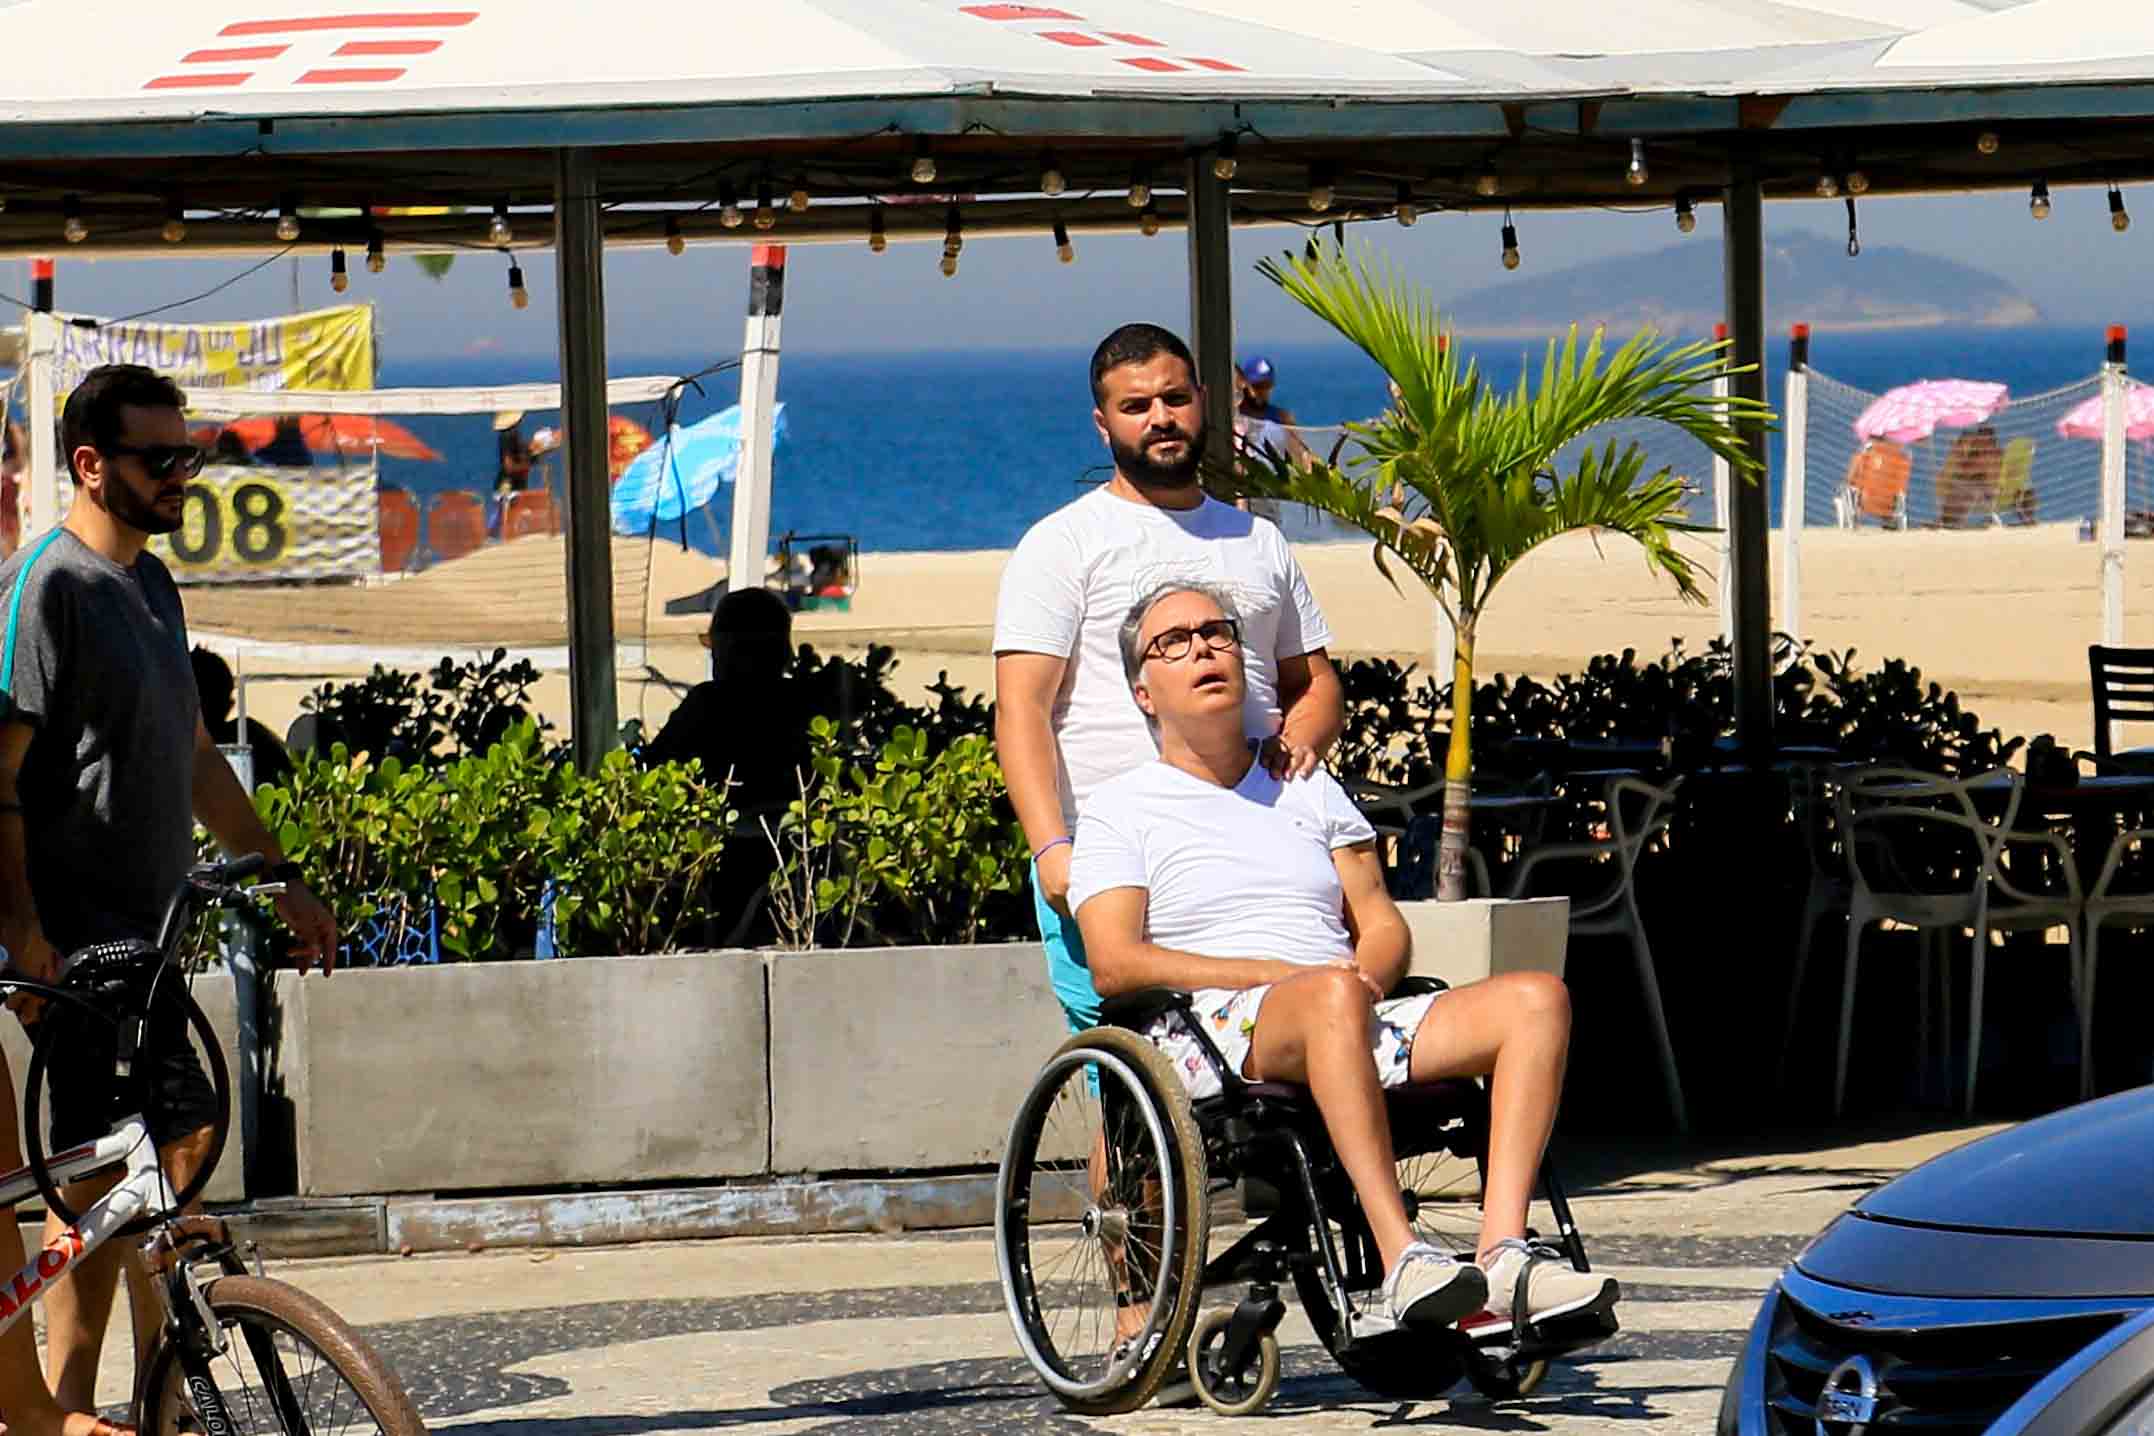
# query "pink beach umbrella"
(2085, 421)
(1913, 412)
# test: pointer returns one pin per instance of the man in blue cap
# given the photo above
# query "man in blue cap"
(1256, 398)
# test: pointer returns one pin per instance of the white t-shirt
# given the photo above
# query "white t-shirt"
(1071, 582)
(1229, 872)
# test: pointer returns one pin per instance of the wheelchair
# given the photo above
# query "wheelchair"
(1103, 1215)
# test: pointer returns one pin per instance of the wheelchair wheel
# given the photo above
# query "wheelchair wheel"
(1230, 1393)
(1443, 1199)
(1100, 1222)
(1404, 1365)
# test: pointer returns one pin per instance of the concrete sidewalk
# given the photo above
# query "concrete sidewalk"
(907, 1333)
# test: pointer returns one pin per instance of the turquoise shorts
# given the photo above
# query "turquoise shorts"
(1066, 967)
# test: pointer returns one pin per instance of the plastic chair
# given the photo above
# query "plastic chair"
(1827, 890)
(2123, 683)
(455, 525)
(2015, 482)
(526, 514)
(2109, 906)
(1638, 813)
(1877, 480)
(399, 530)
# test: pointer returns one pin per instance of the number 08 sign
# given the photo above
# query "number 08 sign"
(245, 523)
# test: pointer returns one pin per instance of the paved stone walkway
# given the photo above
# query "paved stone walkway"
(907, 1333)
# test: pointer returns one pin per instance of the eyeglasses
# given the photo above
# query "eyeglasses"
(1173, 644)
(162, 461)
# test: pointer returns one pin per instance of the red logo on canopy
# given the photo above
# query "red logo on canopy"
(321, 48)
(1058, 32)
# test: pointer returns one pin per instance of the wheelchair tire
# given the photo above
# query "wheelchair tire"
(1059, 1220)
(1246, 1392)
(1404, 1365)
(1504, 1378)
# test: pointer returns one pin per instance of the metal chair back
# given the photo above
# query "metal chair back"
(2123, 683)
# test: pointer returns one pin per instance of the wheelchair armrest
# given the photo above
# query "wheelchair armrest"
(1135, 1009)
(1415, 984)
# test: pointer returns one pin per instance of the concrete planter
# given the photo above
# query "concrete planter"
(1463, 942)
(613, 1071)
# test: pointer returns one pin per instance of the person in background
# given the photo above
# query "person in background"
(1256, 399)
(14, 461)
(214, 684)
(512, 475)
(231, 451)
(287, 448)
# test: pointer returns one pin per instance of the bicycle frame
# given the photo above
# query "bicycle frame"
(142, 1188)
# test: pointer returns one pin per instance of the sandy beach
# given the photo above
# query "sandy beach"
(2001, 615)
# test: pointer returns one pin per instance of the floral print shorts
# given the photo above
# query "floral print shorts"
(1230, 1020)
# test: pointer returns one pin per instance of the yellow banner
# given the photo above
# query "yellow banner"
(327, 349)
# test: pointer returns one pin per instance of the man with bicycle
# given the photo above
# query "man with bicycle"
(105, 765)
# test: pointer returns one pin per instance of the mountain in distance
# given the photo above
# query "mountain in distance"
(1808, 279)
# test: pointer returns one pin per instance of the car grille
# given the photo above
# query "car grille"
(1937, 1380)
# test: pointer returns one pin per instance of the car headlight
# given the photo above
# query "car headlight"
(1742, 1404)
(2138, 1421)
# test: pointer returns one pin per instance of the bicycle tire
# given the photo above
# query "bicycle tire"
(33, 1131)
(259, 1307)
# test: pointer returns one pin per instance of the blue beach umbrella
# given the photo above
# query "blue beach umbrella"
(682, 472)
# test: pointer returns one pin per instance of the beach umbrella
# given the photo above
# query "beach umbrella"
(625, 439)
(2086, 420)
(1913, 412)
(671, 480)
(338, 434)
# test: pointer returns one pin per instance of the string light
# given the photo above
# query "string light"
(498, 232)
(1486, 184)
(1510, 243)
(288, 221)
(1828, 187)
(339, 278)
(923, 165)
(1405, 210)
(1637, 174)
(1053, 183)
(1064, 250)
(376, 259)
(1321, 193)
(953, 233)
(1225, 162)
(1686, 215)
(1857, 182)
(675, 244)
(73, 227)
(1140, 188)
(2118, 219)
(949, 266)
(1148, 222)
(798, 199)
(2038, 200)
(175, 228)
(766, 217)
(1987, 142)
(877, 240)
(519, 297)
(1854, 233)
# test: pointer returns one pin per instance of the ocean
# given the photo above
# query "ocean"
(945, 451)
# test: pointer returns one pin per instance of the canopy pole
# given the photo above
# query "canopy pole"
(1723, 553)
(750, 545)
(1750, 525)
(579, 241)
(1794, 479)
(1211, 300)
(41, 415)
(2115, 398)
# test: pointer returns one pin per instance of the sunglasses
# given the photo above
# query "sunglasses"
(1174, 644)
(162, 461)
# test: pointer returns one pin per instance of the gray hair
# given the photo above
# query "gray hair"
(1133, 625)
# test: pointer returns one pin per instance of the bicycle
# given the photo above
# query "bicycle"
(312, 1375)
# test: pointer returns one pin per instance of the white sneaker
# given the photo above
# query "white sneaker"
(1431, 1287)
(1545, 1278)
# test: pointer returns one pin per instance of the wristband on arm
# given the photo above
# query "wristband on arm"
(1052, 844)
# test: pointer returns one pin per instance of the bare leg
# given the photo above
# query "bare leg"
(1515, 1028)
(1314, 1029)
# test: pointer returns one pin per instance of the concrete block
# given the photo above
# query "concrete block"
(214, 992)
(614, 1070)
(1463, 942)
(898, 1059)
(287, 1229)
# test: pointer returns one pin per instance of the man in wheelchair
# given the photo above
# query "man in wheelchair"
(1264, 899)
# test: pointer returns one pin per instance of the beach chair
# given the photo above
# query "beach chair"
(2123, 683)
(2015, 483)
(399, 529)
(1877, 485)
(455, 525)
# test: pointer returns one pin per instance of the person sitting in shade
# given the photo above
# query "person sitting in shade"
(1262, 897)
(214, 683)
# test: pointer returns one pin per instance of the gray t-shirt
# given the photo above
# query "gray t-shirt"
(94, 658)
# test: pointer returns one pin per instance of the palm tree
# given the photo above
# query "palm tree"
(1459, 481)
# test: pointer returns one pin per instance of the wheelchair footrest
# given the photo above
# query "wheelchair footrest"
(1558, 1336)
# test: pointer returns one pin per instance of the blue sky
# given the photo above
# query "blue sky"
(1011, 293)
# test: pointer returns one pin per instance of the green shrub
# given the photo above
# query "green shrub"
(634, 852)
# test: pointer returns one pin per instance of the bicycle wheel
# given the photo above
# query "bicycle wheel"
(289, 1365)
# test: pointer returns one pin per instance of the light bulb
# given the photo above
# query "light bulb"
(1053, 182)
(1140, 190)
(1510, 246)
(1637, 174)
(2118, 219)
(877, 240)
(765, 216)
(798, 199)
(1148, 222)
(949, 265)
(519, 297)
(1857, 182)
(175, 228)
(1225, 163)
(498, 233)
(1987, 142)
(288, 222)
(728, 205)
(376, 259)
(73, 227)
(1828, 187)
(923, 166)
(1406, 212)
(1486, 184)
(1320, 191)
(1686, 216)
(2038, 200)
(953, 234)
(1064, 250)
(675, 244)
(339, 278)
